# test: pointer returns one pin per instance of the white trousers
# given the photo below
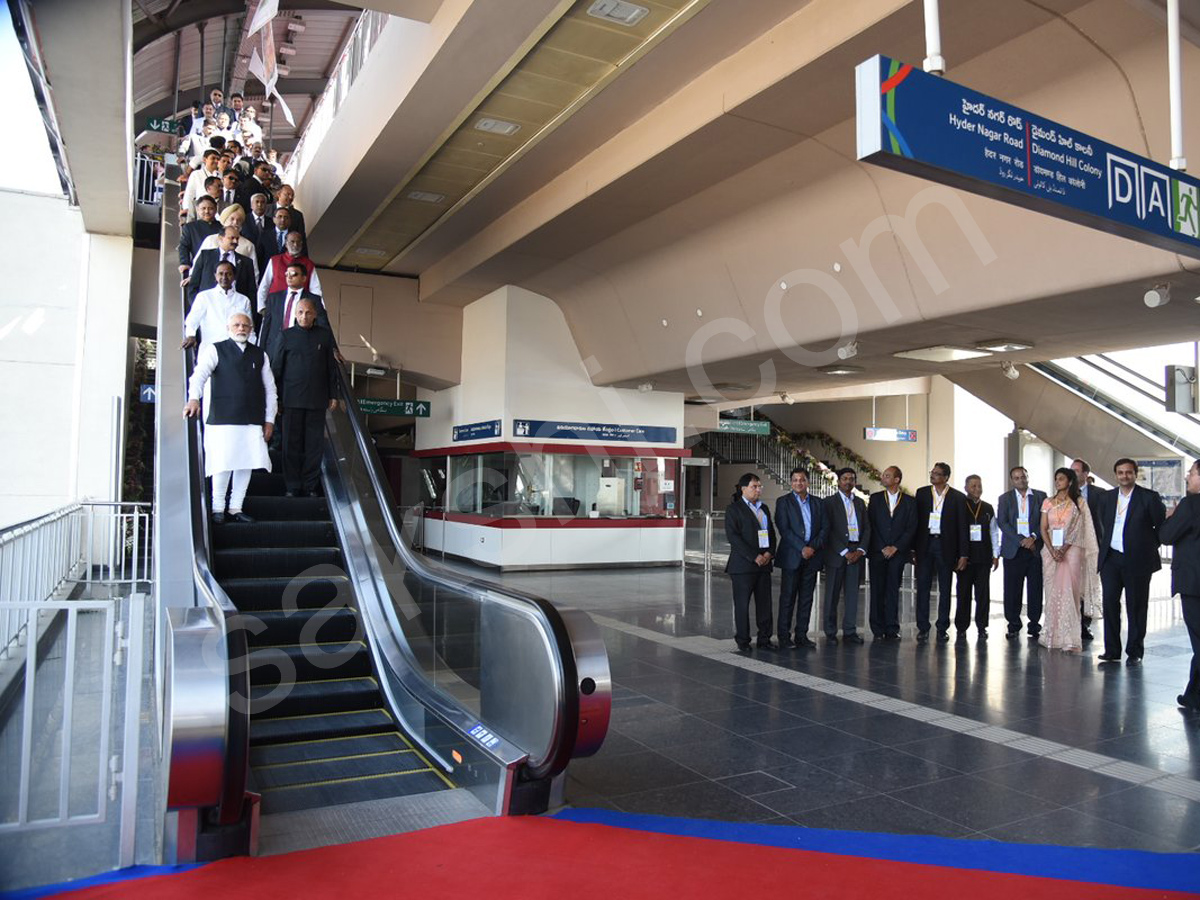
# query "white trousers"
(220, 486)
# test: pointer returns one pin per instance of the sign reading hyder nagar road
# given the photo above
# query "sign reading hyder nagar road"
(927, 126)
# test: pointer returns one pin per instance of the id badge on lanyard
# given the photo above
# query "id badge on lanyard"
(935, 522)
(764, 539)
(976, 532)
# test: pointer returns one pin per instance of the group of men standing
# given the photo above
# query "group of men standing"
(948, 535)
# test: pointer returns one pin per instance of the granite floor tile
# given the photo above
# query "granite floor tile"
(887, 769)
(732, 756)
(814, 742)
(965, 753)
(1152, 812)
(1057, 782)
(974, 803)
(701, 800)
(753, 783)
(613, 776)
(879, 814)
(1077, 829)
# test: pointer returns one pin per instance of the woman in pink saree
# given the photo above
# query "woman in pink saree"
(1068, 556)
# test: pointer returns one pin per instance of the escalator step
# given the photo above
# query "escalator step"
(305, 698)
(286, 563)
(388, 762)
(317, 727)
(267, 484)
(329, 748)
(277, 509)
(309, 662)
(271, 534)
(250, 594)
(278, 800)
(303, 626)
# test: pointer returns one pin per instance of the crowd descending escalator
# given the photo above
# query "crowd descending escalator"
(320, 730)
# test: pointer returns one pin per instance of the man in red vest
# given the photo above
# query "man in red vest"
(274, 277)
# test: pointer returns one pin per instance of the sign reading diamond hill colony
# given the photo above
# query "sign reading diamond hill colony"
(928, 126)
(476, 430)
(598, 432)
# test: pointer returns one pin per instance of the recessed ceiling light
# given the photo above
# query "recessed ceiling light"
(426, 196)
(370, 251)
(619, 11)
(1003, 345)
(941, 354)
(287, 50)
(843, 370)
(497, 126)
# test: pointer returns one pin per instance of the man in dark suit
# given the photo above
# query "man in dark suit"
(230, 179)
(192, 234)
(1182, 528)
(256, 220)
(271, 241)
(1019, 516)
(1131, 516)
(305, 373)
(751, 551)
(1091, 495)
(802, 530)
(848, 535)
(940, 547)
(258, 183)
(893, 518)
(204, 272)
(983, 557)
(279, 314)
(284, 199)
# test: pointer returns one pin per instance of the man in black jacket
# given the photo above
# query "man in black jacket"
(940, 547)
(204, 272)
(751, 552)
(304, 371)
(800, 519)
(893, 517)
(1130, 517)
(279, 313)
(192, 235)
(1182, 528)
(849, 533)
(983, 558)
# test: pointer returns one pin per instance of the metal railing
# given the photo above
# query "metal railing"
(90, 543)
(772, 457)
(147, 180)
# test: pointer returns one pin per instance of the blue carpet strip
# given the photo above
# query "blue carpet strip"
(1123, 868)
(130, 874)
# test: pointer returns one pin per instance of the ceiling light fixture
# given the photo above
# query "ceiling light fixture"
(497, 126)
(1159, 295)
(849, 351)
(842, 370)
(1011, 372)
(426, 196)
(1003, 345)
(370, 251)
(287, 50)
(646, 387)
(787, 398)
(941, 354)
(283, 70)
(295, 25)
(619, 11)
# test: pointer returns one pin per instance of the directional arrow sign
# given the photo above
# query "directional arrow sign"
(148, 393)
(377, 407)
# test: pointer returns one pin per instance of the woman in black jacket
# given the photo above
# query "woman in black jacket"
(751, 550)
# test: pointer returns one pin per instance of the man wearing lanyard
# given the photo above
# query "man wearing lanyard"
(940, 547)
(1129, 556)
(893, 518)
(983, 558)
(845, 547)
(751, 551)
(802, 528)
(1019, 516)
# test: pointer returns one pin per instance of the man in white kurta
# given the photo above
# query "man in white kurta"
(239, 415)
(211, 310)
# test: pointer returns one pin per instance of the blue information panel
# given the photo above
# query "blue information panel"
(928, 126)
(148, 393)
(598, 432)
(477, 430)
(904, 435)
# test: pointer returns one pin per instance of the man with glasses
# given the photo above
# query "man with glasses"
(1019, 517)
(940, 547)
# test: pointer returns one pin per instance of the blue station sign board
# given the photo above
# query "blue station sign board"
(476, 430)
(924, 125)
(597, 432)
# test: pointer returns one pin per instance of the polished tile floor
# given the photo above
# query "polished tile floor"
(991, 739)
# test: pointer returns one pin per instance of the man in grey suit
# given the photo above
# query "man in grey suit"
(845, 548)
(1091, 496)
(1182, 528)
(1019, 515)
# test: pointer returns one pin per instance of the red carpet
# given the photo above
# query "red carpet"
(510, 858)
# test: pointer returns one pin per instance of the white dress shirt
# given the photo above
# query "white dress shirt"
(210, 314)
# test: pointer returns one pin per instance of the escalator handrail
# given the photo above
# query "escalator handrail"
(237, 726)
(564, 731)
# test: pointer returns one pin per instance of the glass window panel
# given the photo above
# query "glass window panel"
(463, 494)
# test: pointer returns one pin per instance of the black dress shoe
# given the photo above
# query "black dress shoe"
(767, 644)
(1105, 658)
(943, 637)
(1034, 635)
(743, 646)
(891, 637)
(922, 637)
(805, 643)
(1086, 636)
(292, 495)
(831, 639)
(1011, 635)
(1133, 661)
(853, 638)
(218, 518)
(315, 492)
(786, 643)
(240, 517)
(1183, 701)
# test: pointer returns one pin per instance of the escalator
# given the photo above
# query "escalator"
(315, 659)
(320, 730)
